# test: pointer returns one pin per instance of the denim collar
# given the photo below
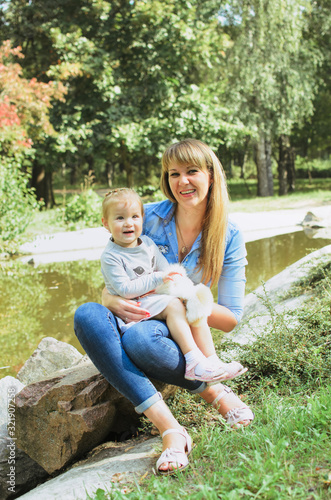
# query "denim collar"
(165, 211)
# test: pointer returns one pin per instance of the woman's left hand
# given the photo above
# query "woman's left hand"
(127, 310)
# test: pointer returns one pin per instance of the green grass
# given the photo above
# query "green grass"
(284, 455)
(243, 196)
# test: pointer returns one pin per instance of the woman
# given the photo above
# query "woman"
(190, 227)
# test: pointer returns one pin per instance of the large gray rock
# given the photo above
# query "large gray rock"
(18, 472)
(58, 420)
(9, 387)
(50, 356)
(118, 465)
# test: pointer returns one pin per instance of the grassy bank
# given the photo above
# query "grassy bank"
(285, 453)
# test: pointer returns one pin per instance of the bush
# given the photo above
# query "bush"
(295, 347)
(17, 204)
(150, 193)
(83, 210)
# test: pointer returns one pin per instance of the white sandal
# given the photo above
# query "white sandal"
(236, 415)
(171, 455)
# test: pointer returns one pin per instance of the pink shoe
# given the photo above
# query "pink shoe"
(210, 374)
(233, 369)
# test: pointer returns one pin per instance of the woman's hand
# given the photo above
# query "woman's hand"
(127, 310)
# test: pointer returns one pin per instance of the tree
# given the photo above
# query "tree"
(314, 137)
(272, 75)
(24, 107)
(139, 75)
(24, 104)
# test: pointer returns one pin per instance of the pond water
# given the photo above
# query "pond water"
(40, 302)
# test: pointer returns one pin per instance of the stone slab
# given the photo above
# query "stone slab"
(105, 470)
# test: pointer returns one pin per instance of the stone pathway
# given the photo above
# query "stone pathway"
(89, 243)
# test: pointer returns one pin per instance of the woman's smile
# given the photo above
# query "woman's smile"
(189, 183)
(187, 192)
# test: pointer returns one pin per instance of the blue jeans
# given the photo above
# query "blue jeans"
(145, 350)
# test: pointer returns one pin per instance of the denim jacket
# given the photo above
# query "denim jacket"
(159, 225)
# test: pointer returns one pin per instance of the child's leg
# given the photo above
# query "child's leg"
(197, 366)
(203, 338)
(175, 317)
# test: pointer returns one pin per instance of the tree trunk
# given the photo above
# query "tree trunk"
(290, 167)
(41, 181)
(73, 174)
(242, 163)
(126, 165)
(268, 150)
(282, 172)
(109, 170)
(263, 165)
(286, 166)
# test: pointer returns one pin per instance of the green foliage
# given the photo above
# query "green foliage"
(272, 66)
(317, 168)
(140, 75)
(83, 210)
(150, 193)
(294, 349)
(17, 203)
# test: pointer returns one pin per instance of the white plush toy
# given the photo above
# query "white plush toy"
(198, 299)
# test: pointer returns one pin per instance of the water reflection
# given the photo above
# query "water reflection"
(270, 256)
(40, 302)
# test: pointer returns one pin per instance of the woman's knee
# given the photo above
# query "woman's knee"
(93, 320)
(145, 338)
(85, 313)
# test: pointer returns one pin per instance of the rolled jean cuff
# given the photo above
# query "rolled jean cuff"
(199, 389)
(148, 402)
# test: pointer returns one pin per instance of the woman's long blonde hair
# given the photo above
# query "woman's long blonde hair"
(194, 152)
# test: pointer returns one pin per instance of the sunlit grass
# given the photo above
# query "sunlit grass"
(284, 455)
(243, 196)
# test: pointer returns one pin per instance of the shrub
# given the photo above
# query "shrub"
(150, 193)
(83, 210)
(17, 204)
(295, 347)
